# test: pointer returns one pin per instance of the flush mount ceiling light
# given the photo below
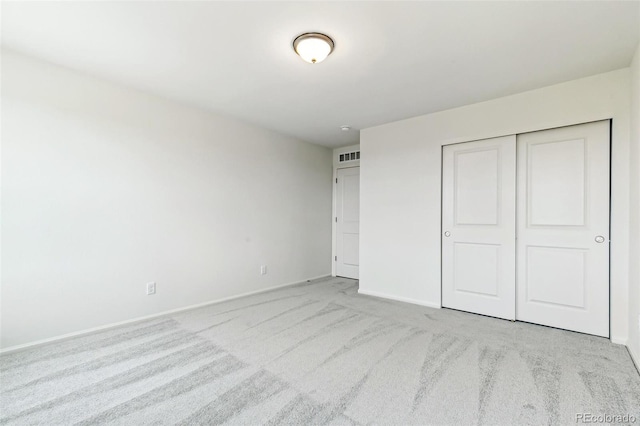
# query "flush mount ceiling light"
(313, 47)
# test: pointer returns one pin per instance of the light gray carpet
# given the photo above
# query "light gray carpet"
(319, 353)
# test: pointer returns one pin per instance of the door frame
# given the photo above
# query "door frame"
(337, 165)
(335, 222)
(610, 120)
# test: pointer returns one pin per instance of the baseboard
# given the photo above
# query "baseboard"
(635, 358)
(67, 336)
(399, 299)
(618, 340)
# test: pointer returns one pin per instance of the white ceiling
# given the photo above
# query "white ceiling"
(392, 60)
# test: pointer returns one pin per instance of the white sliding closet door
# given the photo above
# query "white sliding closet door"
(478, 224)
(563, 228)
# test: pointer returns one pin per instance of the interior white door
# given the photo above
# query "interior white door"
(348, 222)
(563, 228)
(478, 225)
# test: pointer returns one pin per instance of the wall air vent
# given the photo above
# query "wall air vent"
(350, 156)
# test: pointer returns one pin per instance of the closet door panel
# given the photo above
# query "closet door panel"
(478, 224)
(563, 228)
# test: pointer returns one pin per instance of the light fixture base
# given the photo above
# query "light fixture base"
(313, 47)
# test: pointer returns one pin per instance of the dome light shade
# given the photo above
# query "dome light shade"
(313, 47)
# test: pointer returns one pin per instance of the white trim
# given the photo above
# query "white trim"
(635, 358)
(29, 345)
(337, 165)
(334, 228)
(618, 340)
(399, 299)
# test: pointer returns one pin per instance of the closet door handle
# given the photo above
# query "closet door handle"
(599, 239)
(447, 233)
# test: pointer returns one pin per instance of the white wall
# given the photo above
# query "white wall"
(106, 188)
(400, 173)
(634, 237)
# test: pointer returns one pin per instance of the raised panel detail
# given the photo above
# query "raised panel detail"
(476, 268)
(351, 200)
(476, 180)
(556, 183)
(351, 249)
(556, 276)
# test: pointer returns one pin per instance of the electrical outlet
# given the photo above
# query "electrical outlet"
(151, 288)
(263, 270)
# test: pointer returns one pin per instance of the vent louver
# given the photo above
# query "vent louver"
(349, 156)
